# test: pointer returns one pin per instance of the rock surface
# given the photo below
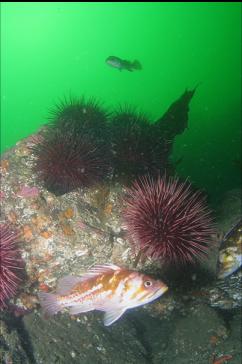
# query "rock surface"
(68, 234)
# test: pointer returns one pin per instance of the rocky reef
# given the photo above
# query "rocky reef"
(67, 233)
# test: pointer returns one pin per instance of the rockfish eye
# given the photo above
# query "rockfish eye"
(147, 283)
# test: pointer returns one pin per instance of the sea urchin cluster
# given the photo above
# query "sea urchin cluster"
(83, 144)
(167, 221)
(10, 264)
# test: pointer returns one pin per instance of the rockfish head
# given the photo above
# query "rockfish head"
(229, 262)
(114, 62)
(139, 289)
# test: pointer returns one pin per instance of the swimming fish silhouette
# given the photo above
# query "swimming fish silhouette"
(122, 64)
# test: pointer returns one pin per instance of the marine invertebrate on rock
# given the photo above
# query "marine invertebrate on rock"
(80, 116)
(66, 161)
(10, 264)
(166, 220)
(133, 143)
(74, 150)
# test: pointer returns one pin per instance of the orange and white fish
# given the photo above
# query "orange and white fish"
(107, 288)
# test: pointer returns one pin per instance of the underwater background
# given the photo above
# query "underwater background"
(120, 183)
(53, 50)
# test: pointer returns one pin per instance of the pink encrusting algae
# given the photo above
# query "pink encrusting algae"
(27, 191)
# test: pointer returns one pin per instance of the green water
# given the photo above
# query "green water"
(49, 50)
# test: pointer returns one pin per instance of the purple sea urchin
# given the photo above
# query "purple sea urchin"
(167, 221)
(10, 264)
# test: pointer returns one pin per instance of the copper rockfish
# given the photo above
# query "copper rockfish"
(107, 288)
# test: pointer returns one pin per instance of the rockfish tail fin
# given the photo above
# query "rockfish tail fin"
(49, 303)
(137, 65)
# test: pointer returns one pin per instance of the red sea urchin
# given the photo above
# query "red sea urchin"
(65, 161)
(74, 150)
(133, 144)
(167, 221)
(80, 116)
(10, 264)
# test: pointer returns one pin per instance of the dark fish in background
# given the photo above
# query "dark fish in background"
(122, 64)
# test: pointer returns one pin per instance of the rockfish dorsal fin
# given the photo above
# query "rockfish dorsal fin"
(98, 270)
(113, 315)
(66, 284)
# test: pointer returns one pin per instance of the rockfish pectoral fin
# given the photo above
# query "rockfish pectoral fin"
(49, 303)
(111, 316)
